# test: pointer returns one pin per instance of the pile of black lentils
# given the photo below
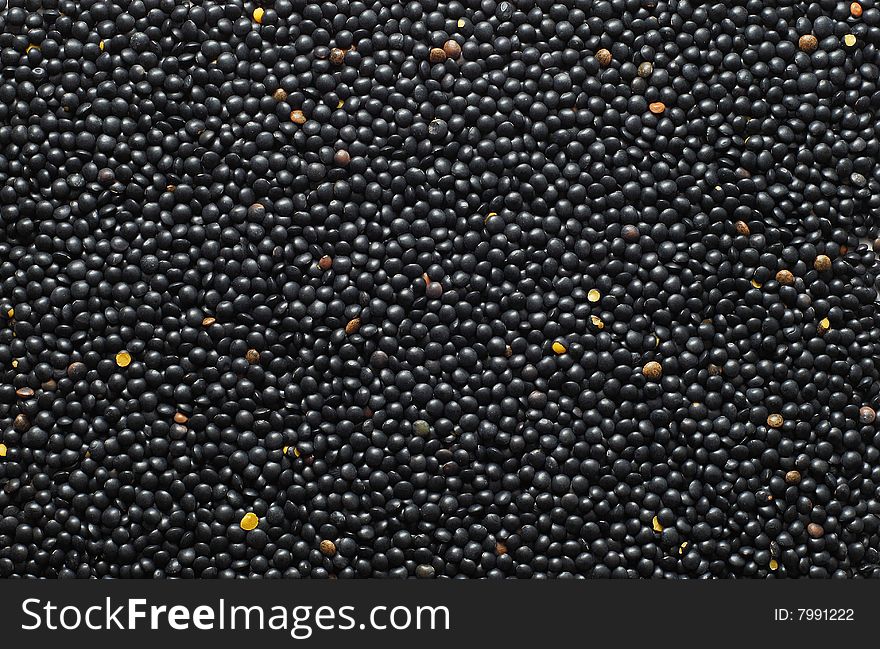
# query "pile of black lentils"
(439, 288)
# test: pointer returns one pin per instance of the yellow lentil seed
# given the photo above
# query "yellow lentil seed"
(774, 564)
(123, 358)
(756, 283)
(296, 452)
(824, 325)
(849, 40)
(259, 12)
(559, 348)
(10, 313)
(3, 450)
(593, 295)
(655, 523)
(249, 521)
(597, 321)
(461, 23)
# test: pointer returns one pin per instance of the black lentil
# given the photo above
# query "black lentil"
(439, 289)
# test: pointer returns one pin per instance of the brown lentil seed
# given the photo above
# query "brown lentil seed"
(603, 56)
(452, 49)
(808, 43)
(353, 326)
(822, 263)
(785, 277)
(652, 370)
(342, 158)
(337, 56)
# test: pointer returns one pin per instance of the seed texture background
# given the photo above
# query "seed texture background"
(439, 289)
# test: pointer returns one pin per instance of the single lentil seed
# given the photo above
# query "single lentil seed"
(652, 370)
(808, 43)
(436, 55)
(249, 521)
(337, 56)
(452, 49)
(603, 56)
(822, 263)
(353, 326)
(785, 277)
